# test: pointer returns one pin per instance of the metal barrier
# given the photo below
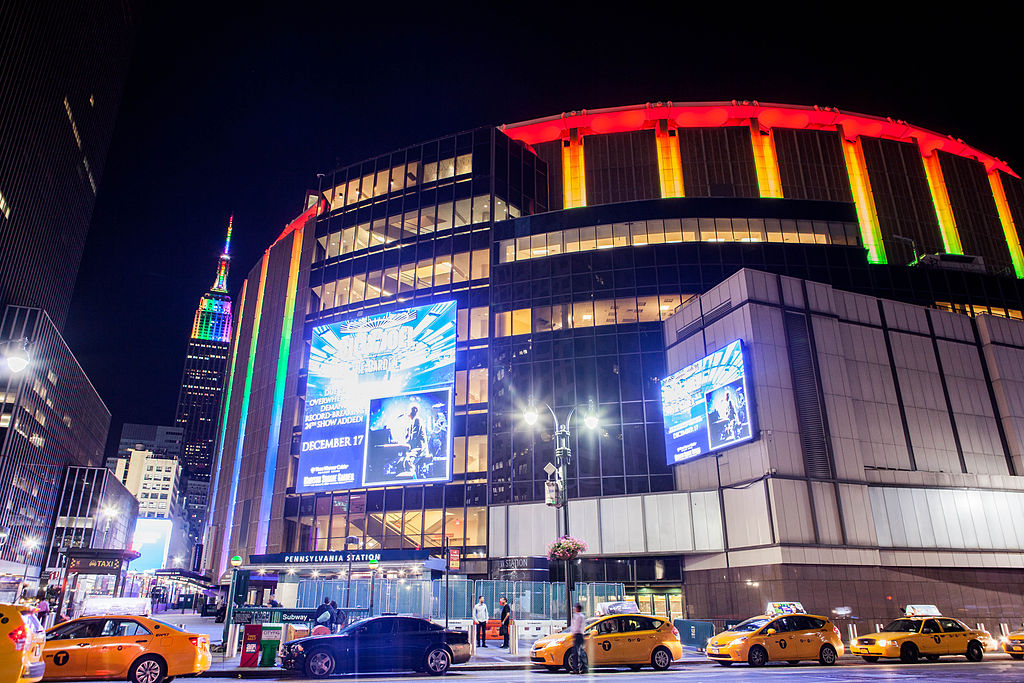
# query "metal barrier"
(694, 633)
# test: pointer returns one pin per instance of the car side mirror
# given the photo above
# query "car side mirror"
(770, 632)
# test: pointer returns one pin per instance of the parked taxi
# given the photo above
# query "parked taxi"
(21, 644)
(1013, 644)
(633, 640)
(923, 632)
(136, 648)
(784, 633)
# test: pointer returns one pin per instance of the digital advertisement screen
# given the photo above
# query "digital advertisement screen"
(379, 401)
(152, 539)
(707, 405)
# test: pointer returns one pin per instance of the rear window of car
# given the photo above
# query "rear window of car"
(810, 622)
(170, 626)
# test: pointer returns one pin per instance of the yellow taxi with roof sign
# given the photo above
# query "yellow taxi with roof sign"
(785, 632)
(922, 632)
(1013, 644)
(120, 647)
(614, 639)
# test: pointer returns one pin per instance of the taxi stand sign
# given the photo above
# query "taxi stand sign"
(922, 611)
(776, 608)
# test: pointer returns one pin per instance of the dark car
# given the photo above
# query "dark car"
(379, 644)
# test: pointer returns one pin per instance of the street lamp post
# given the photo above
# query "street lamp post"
(18, 358)
(236, 562)
(29, 544)
(563, 454)
(349, 540)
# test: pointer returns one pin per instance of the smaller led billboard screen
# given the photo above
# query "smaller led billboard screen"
(707, 405)
(152, 540)
(379, 401)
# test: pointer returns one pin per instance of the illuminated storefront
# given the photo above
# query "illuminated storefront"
(564, 244)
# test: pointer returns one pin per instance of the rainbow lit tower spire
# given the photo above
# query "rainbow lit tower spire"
(199, 400)
(213, 317)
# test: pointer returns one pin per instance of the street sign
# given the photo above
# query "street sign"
(454, 559)
(552, 496)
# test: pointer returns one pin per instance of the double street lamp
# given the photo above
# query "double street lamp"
(563, 454)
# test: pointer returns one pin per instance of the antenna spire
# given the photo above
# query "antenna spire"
(220, 284)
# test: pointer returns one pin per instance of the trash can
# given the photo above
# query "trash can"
(270, 643)
(694, 633)
(252, 636)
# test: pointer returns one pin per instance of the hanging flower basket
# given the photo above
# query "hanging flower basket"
(566, 548)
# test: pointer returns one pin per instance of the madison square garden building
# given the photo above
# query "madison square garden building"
(409, 316)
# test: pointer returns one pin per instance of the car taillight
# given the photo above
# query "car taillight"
(836, 629)
(675, 632)
(194, 640)
(18, 636)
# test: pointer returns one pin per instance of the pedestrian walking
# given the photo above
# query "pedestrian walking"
(339, 617)
(480, 614)
(323, 615)
(576, 628)
(506, 621)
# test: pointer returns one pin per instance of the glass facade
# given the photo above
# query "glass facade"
(562, 305)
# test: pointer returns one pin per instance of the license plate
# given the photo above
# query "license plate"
(1016, 648)
(714, 650)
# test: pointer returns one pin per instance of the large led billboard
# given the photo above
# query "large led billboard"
(379, 401)
(707, 405)
(152, 540)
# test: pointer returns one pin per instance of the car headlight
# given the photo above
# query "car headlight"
(882, 642)
(739, 640)
(296, 648)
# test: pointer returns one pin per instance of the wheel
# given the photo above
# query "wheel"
(870, 660)
(570, 660)
(975, 651)
(721, 663)
(147, 670)
(758, 656)
(908, 653)
(932, 658)
(438, 661)
(1017, 656)
(320, 664)
(661, 659)
(827, 656)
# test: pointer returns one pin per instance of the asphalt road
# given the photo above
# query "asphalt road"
(997, 670)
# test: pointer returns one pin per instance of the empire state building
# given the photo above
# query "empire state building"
(202, 383)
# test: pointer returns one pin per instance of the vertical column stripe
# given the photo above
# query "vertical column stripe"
(940, 198)
(863, 200)
(765, 162)
(212, 495)
(244, 416)
(670, 164)
(274, 440)
(1006, 218)
(574, 182)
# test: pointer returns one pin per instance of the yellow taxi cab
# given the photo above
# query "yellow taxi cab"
(783, 633)
(633, 640)
(923, 632)
(21, 643)
(1013, 644)
(136, 648)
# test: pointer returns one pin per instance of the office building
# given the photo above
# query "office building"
(154, 480)
(50, 418)
(95, 511)
(202, 384)
(567, 243)
(63, 70)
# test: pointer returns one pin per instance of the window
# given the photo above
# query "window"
(477, 390)
(87, 628)
(607, 626)
(123, 627)
(931, 626)
(951, 626)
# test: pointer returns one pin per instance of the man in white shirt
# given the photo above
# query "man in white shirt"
(480, 614)
(576, 629)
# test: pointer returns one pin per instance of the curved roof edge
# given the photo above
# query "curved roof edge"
(736, 113)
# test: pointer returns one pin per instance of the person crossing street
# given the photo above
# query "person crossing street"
(480, 614)
(576, 628)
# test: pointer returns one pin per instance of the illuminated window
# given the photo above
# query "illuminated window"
(477, 387)
(476, 526)
(5, 207)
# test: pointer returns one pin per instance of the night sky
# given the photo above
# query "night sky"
(235, 107)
